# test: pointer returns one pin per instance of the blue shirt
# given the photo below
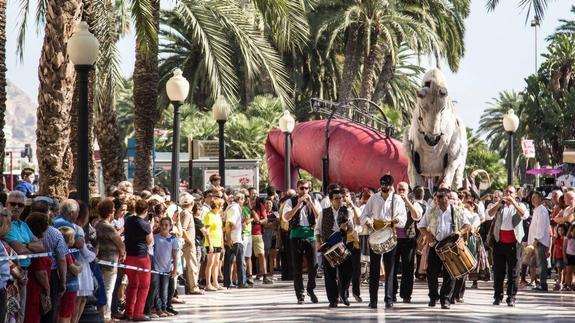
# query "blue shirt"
(61, 221)
(163, 248)
(54, 242)
(21, 232)
(24, 187)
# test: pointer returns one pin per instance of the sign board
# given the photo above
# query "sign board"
(235, 178)
(528, 148)
(202, 149)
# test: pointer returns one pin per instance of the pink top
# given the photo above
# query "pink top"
(570, 247)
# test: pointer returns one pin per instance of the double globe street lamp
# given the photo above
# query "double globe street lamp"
(177, 89)
(510, 124)
(82, 49)
(220, 112)
(286, 124)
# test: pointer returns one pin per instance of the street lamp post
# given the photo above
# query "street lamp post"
(221, 111)
(510, 124)
(83, 51)
(287, 123)
(177, 89)
(535, 23)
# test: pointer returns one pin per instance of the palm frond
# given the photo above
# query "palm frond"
(145, 28)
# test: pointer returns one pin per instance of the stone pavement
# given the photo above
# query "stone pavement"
(277, 303)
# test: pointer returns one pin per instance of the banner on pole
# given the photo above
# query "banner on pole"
(528, 148)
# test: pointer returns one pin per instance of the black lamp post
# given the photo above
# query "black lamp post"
(177, 89)
(510, 124)
(287, 123)
(83, 51)
(220, 111)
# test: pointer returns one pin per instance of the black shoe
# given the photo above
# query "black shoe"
(345, 301)
(459, 300)
(312, 297)
(144, 318)
(250, 282)
(394, 299)
(244, 286)
(300, 301)
(445, 306)
(372, 305)
(474, 285)
(407, 300)
(431, 303)
(497, 301)
(388, 304)
(357, 298)
(510, 301)
(540, 289)
(171, 310)
(332, 305)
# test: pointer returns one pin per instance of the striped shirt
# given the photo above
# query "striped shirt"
(54, 242)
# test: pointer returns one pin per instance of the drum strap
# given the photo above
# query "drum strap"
(452, 219)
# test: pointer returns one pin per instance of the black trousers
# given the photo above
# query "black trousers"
(337, 279)
(406, 253)
(3, 301)
(356, 272)
(303, 248)
(458, 289)
(374, 267)
(434, 268)
(286, 259)
(52, 315)
(505, 259)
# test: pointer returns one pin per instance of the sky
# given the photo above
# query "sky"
(499, 55)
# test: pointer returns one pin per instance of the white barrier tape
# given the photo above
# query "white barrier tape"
(115, 264)
(33, 255)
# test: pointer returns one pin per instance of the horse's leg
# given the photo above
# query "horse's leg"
(414, 177)
(458, 178)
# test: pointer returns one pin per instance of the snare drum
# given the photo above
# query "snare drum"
(337, 254)
(383, 240)
(455, 256)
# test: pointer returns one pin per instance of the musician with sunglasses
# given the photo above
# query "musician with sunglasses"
(301, 212)
(383, 209)
(507, 231)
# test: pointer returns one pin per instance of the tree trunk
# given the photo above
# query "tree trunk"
(145, 107)
(107, 128)
(351, 64)
(385, 76)
(2, 87)
(56, 75)
(368, 69)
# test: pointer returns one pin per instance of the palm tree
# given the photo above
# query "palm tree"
(560, 62)
(56, 74)
(491, 124)
(213, 42)
(2, 86)
(538, 7)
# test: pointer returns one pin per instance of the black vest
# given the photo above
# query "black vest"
(294, 222)
(327, 213)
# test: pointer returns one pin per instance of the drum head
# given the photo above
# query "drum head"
(450, 240)
(380, 235)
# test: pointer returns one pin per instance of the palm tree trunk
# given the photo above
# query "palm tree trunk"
(56, 75)
(351, 64)
(146, 80)
(366, 89)
(2, 86)
(107, 129)
(385, 76)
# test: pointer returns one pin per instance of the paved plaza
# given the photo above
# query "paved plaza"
(277, 303)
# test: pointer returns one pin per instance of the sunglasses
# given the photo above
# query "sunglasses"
(16, 204)
(304, 188)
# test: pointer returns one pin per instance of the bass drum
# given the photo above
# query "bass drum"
(455, 256)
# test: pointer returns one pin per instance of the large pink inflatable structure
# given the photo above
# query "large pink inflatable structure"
(358, 156)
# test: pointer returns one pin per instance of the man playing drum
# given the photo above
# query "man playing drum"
(439, 223)
(385, 209)
(336, 218)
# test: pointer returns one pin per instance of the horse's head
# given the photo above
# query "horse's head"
(432, 101)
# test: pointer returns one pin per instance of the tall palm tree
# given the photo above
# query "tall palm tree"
(491, 123)
(560, 62)
(146, 79)
(538, 7)
(2, 86)
(567, 26)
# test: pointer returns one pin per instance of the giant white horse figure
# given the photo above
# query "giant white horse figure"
(436, 142)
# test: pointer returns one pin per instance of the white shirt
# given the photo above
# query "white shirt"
(473, 218)
(325, 203)
(443, 223)
(317, 229)
(303, 211)
(508, 213)
(377, 208)
(539, 228)
(203, 211)
(234, 215)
